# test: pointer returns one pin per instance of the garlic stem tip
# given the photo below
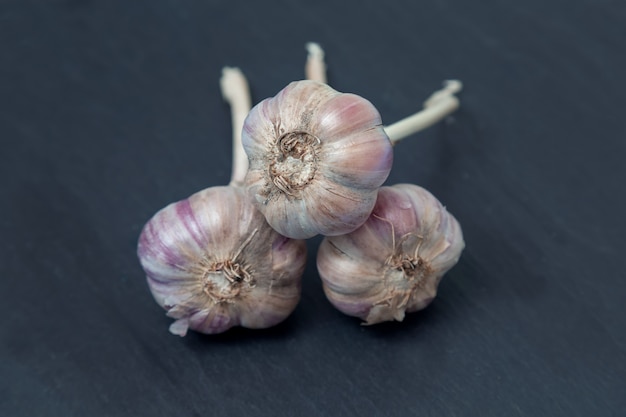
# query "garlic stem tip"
(453, 86)
(315, 50)
(447, 93)
(231, 82)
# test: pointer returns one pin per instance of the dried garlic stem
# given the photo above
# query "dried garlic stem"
(439, 105)
(315, 68)
(236, 92)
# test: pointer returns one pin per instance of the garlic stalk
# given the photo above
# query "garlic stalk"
(394, 262)
(236, 91)
(437, 107)
(315, 68)
(212, 261)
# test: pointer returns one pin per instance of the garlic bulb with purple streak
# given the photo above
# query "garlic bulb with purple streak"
(213, 262)
(316, 159)
(393, 263)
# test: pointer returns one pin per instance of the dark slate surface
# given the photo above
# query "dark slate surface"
(109, 110)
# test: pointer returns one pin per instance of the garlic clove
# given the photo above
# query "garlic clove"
(358, 161)
(332, 210)
(213, 262)
(394, 262)
(316, 159)
(343, 115)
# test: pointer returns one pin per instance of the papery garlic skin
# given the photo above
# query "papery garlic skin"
(395, 261)
(213, 262)
(316, 159)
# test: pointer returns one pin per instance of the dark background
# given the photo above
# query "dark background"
(110, 110)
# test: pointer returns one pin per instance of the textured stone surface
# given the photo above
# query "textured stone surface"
(110, 110)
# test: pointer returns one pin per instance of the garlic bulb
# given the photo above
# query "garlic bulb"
(394, 262)
(316, 159)
(213, 262)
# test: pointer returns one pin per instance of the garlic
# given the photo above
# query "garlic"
(212, 261)
(317, 158)
(394, 262)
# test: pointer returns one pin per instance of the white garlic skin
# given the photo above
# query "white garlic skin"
(395, 261)
(213, 262)
(317, 158)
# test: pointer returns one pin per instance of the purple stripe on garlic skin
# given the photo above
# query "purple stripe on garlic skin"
(213, 262)
(316, 159)
(394, 262)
